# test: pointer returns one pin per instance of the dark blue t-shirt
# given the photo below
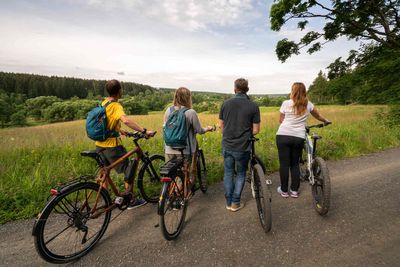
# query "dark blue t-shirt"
(238, 113)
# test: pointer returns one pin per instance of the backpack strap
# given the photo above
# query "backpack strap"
(112, 133)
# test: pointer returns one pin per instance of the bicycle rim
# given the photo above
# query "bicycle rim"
(173, 210)
(149, 179)
(263, 198)
(321, 189)
(202, 172)
(66, 229)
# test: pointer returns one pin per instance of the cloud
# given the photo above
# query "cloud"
(204, 45)
(188, 15)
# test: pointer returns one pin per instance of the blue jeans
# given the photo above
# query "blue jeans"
(233, 187)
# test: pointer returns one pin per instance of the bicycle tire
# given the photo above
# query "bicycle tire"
(61, 201)
(150, 185)
(202, 172)
(259, 161)
(172, 202)
(263, 198)
(321, 190)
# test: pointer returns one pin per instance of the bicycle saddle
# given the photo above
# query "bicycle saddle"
(170, 168)
(90, 153)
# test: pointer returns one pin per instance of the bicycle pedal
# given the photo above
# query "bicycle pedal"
(268, 181)
(118, 200)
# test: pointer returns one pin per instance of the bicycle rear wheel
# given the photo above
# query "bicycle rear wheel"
(202, 171)
(149, 182)
(172, 208)
(66, 229)
(263, 198)
(321, 190)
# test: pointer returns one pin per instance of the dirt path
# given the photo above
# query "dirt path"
(362, 227)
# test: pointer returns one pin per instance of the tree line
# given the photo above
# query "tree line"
(27, 99)
(32, 85)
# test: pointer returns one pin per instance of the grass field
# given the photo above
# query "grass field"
(34, 159)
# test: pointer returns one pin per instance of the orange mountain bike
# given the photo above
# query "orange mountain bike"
(178, 189)
(78, 213)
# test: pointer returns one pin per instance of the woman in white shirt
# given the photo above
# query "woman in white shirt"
(290, 137)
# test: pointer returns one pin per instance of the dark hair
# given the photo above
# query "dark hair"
(113, 87)
(242, 85)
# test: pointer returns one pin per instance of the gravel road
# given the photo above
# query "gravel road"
(361, 228)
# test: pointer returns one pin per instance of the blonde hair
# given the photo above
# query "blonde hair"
(183, 97)
(299, 97)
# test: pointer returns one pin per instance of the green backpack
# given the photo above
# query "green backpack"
(175, 131)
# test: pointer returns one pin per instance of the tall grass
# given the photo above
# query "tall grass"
(36, 158)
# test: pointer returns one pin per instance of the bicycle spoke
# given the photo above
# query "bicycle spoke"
(62, 231)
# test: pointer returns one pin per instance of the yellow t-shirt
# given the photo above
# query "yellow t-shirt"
(114, 112)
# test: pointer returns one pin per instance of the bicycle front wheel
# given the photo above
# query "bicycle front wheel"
(172, 208)
(202, 171)
(263, 198)
(66, 229)
(321, 190)
(149, 182)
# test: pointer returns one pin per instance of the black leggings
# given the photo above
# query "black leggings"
(289, 150)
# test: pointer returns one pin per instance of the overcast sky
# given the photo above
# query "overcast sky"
(203, 45)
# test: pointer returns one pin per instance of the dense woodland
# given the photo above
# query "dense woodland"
(28, 99)
(370, 77)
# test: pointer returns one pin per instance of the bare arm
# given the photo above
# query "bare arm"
(133, 125)
(256, 128)
(315, 113)
(281, 117)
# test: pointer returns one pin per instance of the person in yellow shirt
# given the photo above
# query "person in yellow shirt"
(112, 148)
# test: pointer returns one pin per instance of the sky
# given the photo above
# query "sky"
(203, 45)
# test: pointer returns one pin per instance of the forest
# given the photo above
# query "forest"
(28, 99)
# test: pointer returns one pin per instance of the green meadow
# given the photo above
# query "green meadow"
(34, 159)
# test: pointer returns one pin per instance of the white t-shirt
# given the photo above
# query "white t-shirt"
(293, 125)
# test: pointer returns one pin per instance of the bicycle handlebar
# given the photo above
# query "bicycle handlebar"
(139, 135)
(320, 125)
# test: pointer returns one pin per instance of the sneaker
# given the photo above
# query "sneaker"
(294, 194)
(136, 203)
(229, 207)
(283, 194)
(236, 207)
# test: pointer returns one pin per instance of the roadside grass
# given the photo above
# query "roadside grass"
(33, 159)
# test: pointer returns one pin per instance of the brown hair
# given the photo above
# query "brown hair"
(113, 87)
(183, 97)
(299, 97)
(242, 85)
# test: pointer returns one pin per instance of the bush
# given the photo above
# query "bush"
(18, 119)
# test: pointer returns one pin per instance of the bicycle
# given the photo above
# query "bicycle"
(178, 189)
(314, 170)
(260, 188)
(78, 213)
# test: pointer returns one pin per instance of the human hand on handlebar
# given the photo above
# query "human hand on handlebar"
(211, 128)
(150, 133)
(327, 122)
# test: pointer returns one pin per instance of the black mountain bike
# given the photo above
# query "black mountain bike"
(260, 188)
(314, 170)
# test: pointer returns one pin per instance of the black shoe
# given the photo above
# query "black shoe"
(136, 203)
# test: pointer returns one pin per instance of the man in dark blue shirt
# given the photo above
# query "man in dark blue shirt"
(239, 120)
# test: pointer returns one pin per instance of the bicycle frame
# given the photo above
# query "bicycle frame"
(310, 150)
(105, 180)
